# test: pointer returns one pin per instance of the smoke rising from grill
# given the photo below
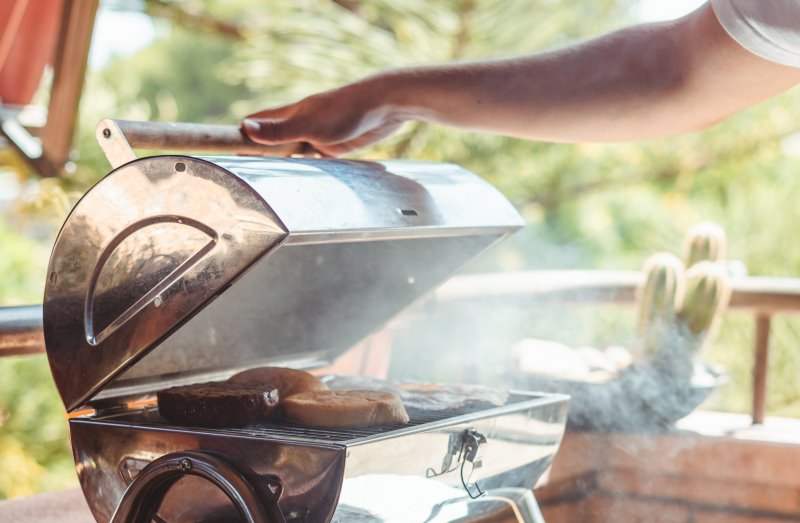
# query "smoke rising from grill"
(467, 332)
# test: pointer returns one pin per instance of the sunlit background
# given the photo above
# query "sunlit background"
(588, 206)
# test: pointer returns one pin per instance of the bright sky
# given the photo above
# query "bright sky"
(654, 10)
(119, 32)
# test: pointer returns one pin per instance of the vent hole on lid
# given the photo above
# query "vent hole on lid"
(180, 167)
(408, 212)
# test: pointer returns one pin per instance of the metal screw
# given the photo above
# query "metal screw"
(185, 465)
(107, 133)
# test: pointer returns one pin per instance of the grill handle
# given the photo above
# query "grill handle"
(144, 495)
(118, 138)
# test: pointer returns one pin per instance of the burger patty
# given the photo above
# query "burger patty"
(345, 408)
(287, 381)
(218, 404)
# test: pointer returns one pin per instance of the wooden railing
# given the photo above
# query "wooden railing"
(763, 298)
(760, 297)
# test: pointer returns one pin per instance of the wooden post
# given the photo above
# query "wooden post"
(68, 72)
(760, 367)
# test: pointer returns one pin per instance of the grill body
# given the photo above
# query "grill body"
(177, 269)
(317, 467)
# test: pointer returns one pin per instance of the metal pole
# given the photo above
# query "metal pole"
(21, 330)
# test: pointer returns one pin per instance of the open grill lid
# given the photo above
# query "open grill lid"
(175, 268)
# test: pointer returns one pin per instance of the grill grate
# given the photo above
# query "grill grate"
(286, 430)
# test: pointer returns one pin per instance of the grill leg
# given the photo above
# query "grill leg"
(256, 500)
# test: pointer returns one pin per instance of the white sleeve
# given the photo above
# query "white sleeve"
(767, 28)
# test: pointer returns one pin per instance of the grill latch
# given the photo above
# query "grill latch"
(467, 448)
(473, 447)
(474, 444)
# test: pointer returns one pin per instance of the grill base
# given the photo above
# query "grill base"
(315, 466)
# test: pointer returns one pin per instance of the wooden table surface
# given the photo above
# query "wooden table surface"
(65, 506)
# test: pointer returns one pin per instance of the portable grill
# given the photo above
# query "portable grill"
(182, 269)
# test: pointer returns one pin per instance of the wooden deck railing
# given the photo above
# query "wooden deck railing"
(762, 298)
(759, 297)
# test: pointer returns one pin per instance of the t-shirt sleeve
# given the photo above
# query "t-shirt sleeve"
(767, 28)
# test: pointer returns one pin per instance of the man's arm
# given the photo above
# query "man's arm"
(642, 82)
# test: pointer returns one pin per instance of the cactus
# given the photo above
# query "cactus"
(704, 242)
(659, 299)
(706, 297)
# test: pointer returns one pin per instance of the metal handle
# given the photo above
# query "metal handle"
(118, 138)
(144, 495)
(21, 330)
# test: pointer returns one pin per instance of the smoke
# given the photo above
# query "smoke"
(471, 339)
(472, 331)
(469, 331)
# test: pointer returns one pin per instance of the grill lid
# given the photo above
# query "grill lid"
(174, 268)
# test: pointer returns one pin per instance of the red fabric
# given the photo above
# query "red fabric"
(27, 45)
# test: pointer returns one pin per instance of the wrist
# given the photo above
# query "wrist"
(396, 95)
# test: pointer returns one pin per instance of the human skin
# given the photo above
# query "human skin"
(642, 82)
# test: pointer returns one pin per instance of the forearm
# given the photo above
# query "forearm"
(602, 90)
(642, 82)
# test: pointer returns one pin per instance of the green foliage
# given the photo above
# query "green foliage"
(23, 265)
(34, 447)
(304, 39)
(34, 444)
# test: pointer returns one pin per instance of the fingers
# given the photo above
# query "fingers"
(332, 127)
(273, 131)
(360, 142)
(274, 112)
(318, 119)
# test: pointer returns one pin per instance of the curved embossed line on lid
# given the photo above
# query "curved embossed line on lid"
(153, 294)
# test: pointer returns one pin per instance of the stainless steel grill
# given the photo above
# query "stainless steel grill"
(179, 269)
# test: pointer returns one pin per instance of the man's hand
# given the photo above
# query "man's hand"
(334, 122)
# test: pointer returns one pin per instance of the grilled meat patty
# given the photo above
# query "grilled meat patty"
(345, 408)
(287, 381)
(218, 404)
